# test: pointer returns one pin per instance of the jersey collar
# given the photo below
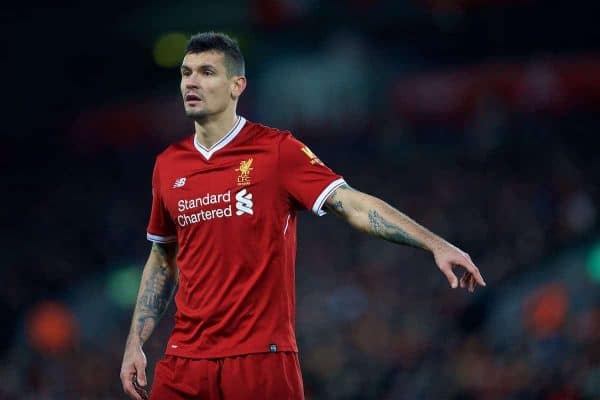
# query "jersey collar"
(207, 153)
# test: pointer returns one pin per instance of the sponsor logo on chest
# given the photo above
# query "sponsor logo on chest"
(211, 206)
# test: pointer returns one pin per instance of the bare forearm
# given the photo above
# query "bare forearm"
(390, 224)
(375, 217)
(156, 289)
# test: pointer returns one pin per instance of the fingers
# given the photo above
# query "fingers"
(128, 387)
(133, 379)
(139, 389)
(452, 279)
(468, 264)
(464, 280)
(468, 281)
(139, 379)
(472, 276)
(141, 374)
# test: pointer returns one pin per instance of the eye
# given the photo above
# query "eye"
(208, 72)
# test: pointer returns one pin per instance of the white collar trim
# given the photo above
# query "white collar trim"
(207, 153)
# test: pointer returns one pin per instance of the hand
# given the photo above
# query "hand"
(133, 372)
(447, 257)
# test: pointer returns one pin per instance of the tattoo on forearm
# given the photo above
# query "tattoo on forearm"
(391, 231)
(156, 295)
(377, 224)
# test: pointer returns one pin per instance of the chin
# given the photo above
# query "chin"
(196, 114)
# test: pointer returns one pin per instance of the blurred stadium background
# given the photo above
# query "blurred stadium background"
(479, 118)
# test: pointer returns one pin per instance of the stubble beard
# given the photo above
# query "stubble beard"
(203, 114)
(197, 115)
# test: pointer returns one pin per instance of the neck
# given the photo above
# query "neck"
(211, 129)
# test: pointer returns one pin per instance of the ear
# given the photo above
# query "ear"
(238, 84)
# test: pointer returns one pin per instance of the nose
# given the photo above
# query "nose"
(191, 81)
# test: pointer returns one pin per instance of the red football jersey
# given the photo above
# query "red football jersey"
(232, 210)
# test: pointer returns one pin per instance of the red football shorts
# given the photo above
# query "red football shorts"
(262, 376)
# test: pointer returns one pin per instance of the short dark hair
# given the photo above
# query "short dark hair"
(217, 41)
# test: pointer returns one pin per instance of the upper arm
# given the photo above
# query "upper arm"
(161, 227)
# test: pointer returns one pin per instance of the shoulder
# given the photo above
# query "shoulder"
(176, 148)
(267, 133)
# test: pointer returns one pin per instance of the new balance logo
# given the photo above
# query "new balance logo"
(179, 183)
(244, 202)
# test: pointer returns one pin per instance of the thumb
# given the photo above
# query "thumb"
(452, 279)
(141, 374)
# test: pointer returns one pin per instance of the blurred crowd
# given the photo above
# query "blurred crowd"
(374, 320)
(475, 118)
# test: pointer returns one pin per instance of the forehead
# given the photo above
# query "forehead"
(212, 57)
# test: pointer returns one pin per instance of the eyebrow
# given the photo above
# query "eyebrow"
(202, 66)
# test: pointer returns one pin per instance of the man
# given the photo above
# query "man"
(223, 227)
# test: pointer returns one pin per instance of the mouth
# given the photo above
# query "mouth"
(192, 98)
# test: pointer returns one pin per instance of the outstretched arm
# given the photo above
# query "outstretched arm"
(156, 289)
(375, 217)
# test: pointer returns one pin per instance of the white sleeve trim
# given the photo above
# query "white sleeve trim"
(316, 208)
(161, 239)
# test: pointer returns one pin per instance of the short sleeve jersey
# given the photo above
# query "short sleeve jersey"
(232, 210)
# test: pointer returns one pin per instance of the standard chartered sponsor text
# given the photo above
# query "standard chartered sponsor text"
(204, 208)
(203, 215)
(205, 200)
